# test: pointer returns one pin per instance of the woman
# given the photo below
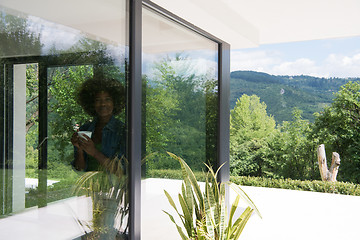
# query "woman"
(102, 99)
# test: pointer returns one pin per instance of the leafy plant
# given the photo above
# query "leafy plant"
(109, 194)
(204, 215)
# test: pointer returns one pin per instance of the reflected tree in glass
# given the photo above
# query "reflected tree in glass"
(181, 114)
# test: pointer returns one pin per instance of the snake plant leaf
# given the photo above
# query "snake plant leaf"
(182, 234)
(83, 180)
(209, 213)
(188, 218)
(212, 176)
(243, 194)
(188, 197)
(188, 174)
(233, 209)
(197, 210)
(172, 203)
(244, 218)
(202, 233)
(222, 216)
(212, 211)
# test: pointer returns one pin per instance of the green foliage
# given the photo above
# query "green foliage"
(204, 215)
(257, 148)
(64, 110)
(16, 37)
(251, 130)
(338, 127)
(31, 164)
(179, 117)
(292, 152)
(32, 95)
(344, 188)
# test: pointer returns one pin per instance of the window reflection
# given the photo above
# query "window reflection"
(180, 111)
(44, 65)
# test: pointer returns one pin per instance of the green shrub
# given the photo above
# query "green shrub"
(344, 188)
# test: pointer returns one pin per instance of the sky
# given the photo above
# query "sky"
(320, 58)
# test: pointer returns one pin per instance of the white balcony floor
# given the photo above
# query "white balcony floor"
(287, 214)
(57, 221)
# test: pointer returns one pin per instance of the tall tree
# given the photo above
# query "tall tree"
(176, 112)
(338, 127)
(251, 129)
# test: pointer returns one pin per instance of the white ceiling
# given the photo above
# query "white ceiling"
(242, 23)
(247, 23)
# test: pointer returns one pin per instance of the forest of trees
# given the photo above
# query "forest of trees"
(260, 147)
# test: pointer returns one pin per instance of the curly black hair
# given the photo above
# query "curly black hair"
(91, 87)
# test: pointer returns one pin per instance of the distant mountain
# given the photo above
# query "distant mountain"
(282, 93)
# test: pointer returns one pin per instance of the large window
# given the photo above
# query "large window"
(63, 71)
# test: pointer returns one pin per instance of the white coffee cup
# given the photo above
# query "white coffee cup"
(82, 133)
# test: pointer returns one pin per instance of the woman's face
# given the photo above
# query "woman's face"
(104, 104)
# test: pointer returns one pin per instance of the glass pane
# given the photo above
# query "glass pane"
(180, 113)
(64, 71)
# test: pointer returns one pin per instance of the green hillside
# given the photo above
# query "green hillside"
(282, 93)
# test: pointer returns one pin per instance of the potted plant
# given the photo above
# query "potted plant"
(204, 215)
(108, 189)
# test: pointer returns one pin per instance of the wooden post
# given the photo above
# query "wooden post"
(326, 174)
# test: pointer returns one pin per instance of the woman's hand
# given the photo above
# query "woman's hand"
(75, 140)
(87, 145)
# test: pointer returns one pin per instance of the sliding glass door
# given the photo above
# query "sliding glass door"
(180, 113)
(54, 72)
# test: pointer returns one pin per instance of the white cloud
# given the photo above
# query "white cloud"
(52, 34)
(343, 66)
(300, 66)
(255, 60)
(335, 65)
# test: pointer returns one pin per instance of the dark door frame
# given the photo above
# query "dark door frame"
(135, 98)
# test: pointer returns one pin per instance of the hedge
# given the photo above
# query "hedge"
(344, 188)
